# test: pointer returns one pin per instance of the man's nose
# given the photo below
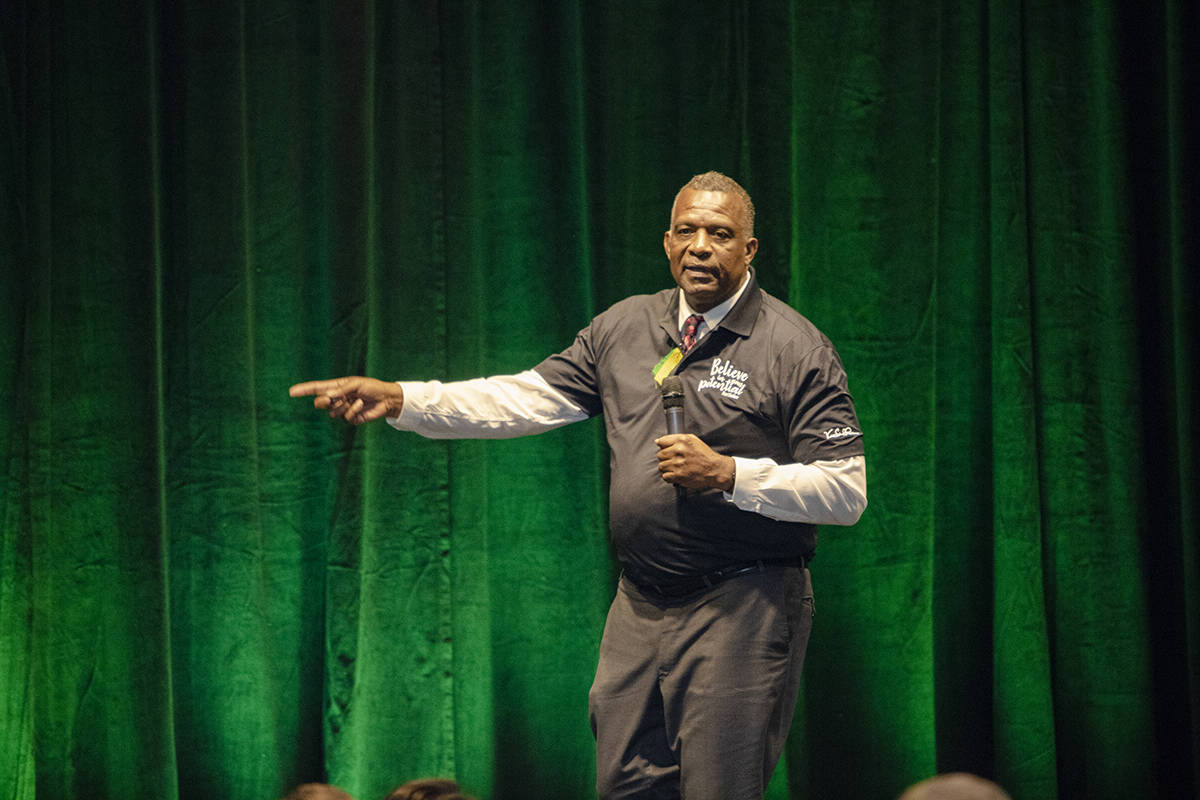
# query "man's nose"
(701, 244)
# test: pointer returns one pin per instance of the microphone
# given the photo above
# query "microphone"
(672, 397)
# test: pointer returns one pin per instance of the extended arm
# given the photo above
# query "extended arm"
(484, 408)
(498, 407)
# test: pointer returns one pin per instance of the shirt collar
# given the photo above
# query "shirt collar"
(712, 317)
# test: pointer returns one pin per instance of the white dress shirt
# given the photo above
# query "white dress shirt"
(506, 406)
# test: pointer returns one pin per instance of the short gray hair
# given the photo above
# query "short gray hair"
(719, 182)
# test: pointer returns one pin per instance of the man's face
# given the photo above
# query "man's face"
(708, 246)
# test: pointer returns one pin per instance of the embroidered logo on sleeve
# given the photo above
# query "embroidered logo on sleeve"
(840, 433)
(725, 378)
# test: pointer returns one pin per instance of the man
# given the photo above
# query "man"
(955, 786)
(428, 789)
(317, 791)
(700, 660)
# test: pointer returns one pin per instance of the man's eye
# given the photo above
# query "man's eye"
(722, 235)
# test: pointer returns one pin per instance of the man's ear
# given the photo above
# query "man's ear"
(751, 249)
(667, 244)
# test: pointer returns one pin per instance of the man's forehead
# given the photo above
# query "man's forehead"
(691, 202)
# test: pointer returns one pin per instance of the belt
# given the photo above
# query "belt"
(691, 584)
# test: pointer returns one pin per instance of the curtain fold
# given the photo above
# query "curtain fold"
(208, 588)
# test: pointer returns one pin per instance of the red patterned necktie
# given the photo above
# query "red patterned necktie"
(690, 326)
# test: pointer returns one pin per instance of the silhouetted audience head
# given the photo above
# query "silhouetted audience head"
(955, 786)
(429, 789)
(317, 791)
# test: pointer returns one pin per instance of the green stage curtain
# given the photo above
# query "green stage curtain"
(210, 589)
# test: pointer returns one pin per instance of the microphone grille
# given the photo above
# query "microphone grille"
(672, 392)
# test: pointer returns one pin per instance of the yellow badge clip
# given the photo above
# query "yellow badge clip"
(667, 365)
